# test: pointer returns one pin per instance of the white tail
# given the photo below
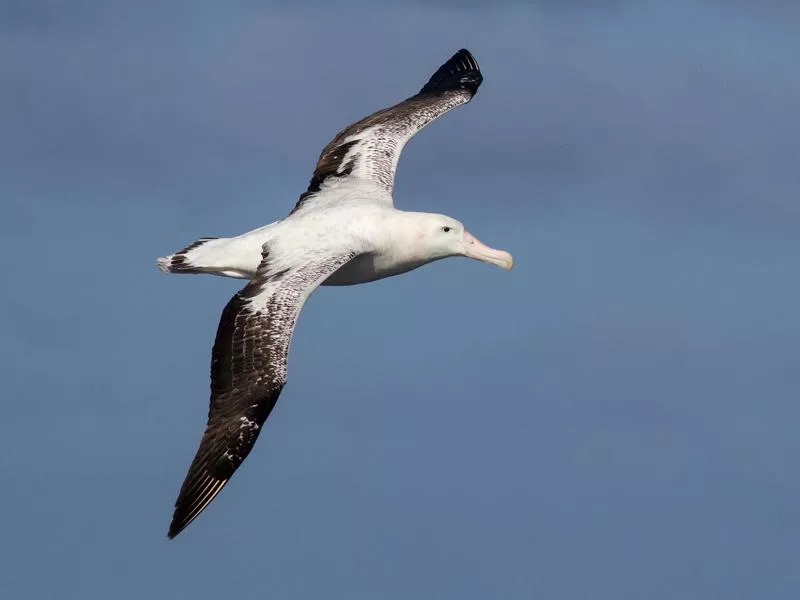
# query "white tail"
(228, 257)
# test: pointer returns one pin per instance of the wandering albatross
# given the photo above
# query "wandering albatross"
(344, 230)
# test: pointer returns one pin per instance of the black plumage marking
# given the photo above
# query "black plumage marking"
(330, 165)
(179, 262)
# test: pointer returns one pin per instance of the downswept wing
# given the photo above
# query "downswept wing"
(370, 149)
(248, 372)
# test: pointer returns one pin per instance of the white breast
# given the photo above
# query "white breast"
(370, 267)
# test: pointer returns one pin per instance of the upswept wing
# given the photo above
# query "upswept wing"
(367, 152)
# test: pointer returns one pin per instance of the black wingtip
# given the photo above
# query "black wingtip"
(176, 526)
(174, 531)
(461, 72)
(197, 492)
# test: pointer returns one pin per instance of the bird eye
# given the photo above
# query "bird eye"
(445, 228)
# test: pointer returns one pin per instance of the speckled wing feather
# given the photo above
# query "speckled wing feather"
(366, 153)
(248, 371)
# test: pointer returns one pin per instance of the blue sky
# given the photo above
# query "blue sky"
(615, 418)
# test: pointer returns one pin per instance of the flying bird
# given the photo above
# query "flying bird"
(344, 230)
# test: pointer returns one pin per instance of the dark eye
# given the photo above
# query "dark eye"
(445, 229)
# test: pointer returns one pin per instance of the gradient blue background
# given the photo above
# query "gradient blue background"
(615, 418)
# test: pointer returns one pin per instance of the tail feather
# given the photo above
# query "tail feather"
(181, 261)
(237, 257)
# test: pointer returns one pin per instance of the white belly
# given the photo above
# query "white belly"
(368, 267)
